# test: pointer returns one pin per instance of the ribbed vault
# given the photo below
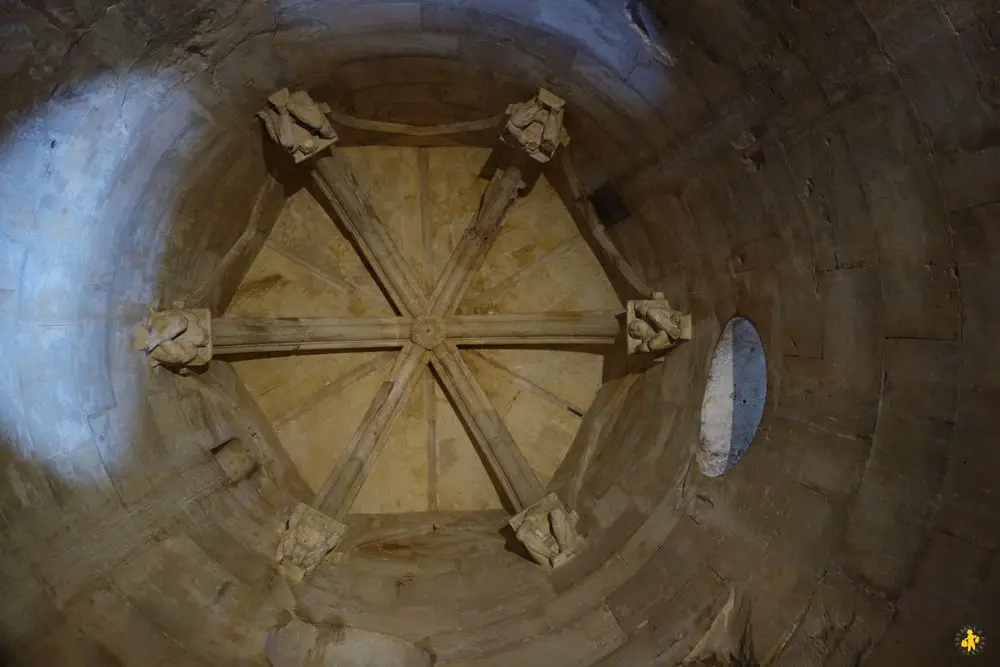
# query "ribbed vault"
(826, 170)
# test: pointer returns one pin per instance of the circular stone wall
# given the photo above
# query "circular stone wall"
(830, 174)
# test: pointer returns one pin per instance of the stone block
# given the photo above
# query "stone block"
(935, 606)
(826, 461)
(830, 190)
(602, 548)
(968, 508)
(662, 577)
(49, 389)
(914, 450)
(581, 642)
(28, 608)
(898, 180)
(617, 96)
(107, 616)
(903, 25)
(966, 176)
(981, 321)
(240, 560)
(79, 481)
(611, 42)
(686, 111)
(796, 555)
(674, 627)
(308, 537)
(238, 460)
(922, 300)
(839, 412)
(921, 378)
(356, 18)
(977, 235)
(987, 605)
(494, 28)
(239, 511)
(297, 644)
(886, 530)
(853, 329)
(918, 411)
(841, 622)
(176, 575)
(963, 12)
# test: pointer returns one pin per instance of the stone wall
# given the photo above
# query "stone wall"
(828, 172)
(843, 232)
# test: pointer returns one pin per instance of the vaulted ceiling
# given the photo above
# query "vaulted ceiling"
(826, 170)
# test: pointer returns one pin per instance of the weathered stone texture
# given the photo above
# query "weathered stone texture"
(827, 169)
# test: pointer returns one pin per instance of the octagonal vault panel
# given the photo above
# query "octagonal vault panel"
(426, 198)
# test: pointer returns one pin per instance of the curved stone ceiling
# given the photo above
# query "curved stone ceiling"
(538, 263)
(827, 170)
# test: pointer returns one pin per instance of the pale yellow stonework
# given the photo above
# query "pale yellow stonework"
(426, 198)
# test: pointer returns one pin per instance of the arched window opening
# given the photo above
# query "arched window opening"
(734, 397)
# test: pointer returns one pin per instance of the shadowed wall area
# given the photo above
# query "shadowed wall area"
(826, 169)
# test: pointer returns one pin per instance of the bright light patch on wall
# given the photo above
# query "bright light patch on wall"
(75, 188)
(734, 397)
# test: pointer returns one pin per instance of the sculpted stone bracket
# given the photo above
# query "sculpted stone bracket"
(177, 338)
(536, 126)
(653, 326)
(548, 532)
(531, 137)
(298, 123)
(307, 537)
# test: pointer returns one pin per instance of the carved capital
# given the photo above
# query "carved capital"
(297, 123)
(308, 536)
(178, 338)
(548, 532)
(537, 125)
(653, 326)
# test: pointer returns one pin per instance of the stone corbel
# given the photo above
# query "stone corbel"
(308, 536)
(297, 123)
(532, 135)
(548, 532)
(537, 125)
(177, 338)
(653, 326)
